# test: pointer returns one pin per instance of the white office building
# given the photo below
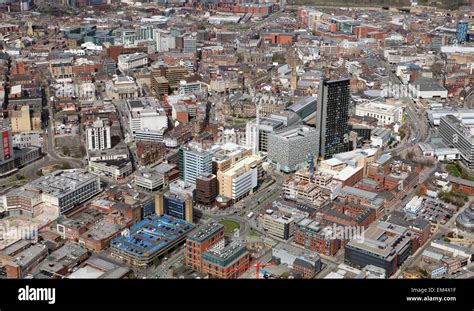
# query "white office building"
(98, 135)
(380, 137)
(414, 206)
(278, 225)
(192, 88)
(149, 179)
(58, 192)
(386, 114)
(147, 119)
(426, 88)
(465, 115)
(128, 62)
(189, 45)
(196, 161)
(164, 41)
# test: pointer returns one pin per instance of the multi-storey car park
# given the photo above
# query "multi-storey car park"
(150, 238)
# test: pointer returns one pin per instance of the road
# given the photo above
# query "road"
(163, 271)
(244, 207)
(49, 149)
(415, 120)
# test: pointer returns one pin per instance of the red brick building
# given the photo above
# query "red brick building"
(227, 263)
(212, 234)
(206, 189)
(462, 185)
(150, 152)
(312, 236)
(279, 38)
(350, 214)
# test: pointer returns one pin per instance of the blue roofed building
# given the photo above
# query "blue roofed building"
(152, 237)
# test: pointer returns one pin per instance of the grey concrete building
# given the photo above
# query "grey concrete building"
(455, 134)
(289, 149)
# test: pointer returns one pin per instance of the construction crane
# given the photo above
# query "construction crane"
(257, 267)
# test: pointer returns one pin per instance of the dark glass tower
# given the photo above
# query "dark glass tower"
(461, 32)
(331, 117)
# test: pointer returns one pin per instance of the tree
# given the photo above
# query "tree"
(423, 272)
(279, 58)
(66, 166)
(82, 151)
(456, 198)
(65, 150)
(437, 69)
(423, 189)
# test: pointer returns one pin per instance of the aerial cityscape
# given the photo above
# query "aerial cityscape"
(224, 139)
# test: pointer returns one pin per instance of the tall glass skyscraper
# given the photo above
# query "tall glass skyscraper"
(332, 114)
(461, 32)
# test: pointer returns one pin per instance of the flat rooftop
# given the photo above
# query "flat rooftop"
(66, 255)
(346, 156)
(131, 57)
(227, 150)
(206, 231)
(102, 230)
(153, 234)
(384, 239)
(29, 255)
(297, 252)
(242, 163)
(12, 237)
(141, 103)
(63, 182)
(296, 133)
(360, 193)
(379, 106)
(100, 268)
(149, 174)
(227, 254)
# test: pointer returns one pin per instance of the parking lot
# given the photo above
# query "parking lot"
(437, 212)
